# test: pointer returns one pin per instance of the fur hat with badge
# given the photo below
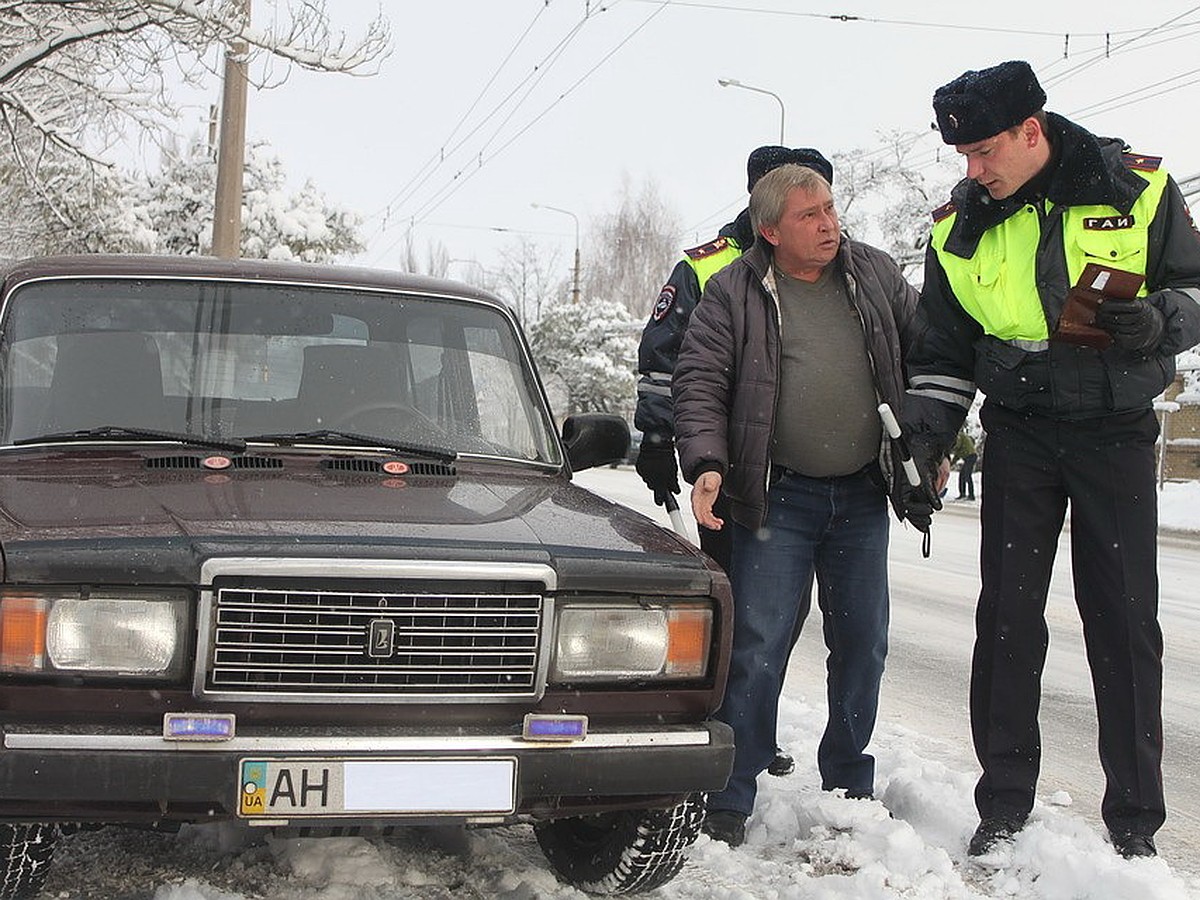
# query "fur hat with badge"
(764, 159)
(980, 104)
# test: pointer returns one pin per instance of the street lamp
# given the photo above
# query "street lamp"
(567, 212)
(733, 82)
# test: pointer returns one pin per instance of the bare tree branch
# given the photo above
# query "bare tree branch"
(74, 74)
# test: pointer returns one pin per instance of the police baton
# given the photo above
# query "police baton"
(677, 524)
(892, 427)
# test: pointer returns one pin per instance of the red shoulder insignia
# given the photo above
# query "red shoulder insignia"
(943, 211)
(1141, 162)
(707, 249)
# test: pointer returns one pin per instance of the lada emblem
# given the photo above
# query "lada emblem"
(381, 638)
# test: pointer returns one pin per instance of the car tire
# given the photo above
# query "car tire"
(25, 854)
(622, 852)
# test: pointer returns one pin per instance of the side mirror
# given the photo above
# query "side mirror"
(595, 439)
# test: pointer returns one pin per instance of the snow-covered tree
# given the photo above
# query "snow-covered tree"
(74, 71)
(73, 209)
(630, 251)
(86, 210)
(75, 75)
(301, 226)
(180, 199)
(591, 349)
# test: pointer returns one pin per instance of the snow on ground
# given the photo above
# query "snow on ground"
(802, 843)
(1179, 506)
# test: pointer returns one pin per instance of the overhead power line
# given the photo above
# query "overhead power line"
(456, 181)
(851, 18)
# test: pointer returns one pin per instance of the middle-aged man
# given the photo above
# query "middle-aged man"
(1046, 204)
(659, 348)
(776, 389)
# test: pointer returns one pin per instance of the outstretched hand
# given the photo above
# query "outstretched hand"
(704, 495)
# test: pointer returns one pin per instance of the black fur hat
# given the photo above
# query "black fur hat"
(979, 104)
(764, 159)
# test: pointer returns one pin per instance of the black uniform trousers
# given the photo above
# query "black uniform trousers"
(1105, 469)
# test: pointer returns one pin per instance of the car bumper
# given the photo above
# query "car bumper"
(133, 777)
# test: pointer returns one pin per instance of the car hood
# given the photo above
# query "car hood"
(111, 515)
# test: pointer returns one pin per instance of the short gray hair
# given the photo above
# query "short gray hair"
(771, 192)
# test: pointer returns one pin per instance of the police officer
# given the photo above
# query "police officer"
(1048, 210)
(660, 346)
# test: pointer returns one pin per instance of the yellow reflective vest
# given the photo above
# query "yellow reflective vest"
(709, 259)
(998, 285)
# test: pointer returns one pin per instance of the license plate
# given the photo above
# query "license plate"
(286, 788)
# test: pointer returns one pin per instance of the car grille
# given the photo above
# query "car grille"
(440, 643)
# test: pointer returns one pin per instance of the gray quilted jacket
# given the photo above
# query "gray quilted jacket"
(727, 374)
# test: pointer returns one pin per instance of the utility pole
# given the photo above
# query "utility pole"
(231, 151)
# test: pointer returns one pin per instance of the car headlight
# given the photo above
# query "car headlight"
(133, 632)
(624, 642)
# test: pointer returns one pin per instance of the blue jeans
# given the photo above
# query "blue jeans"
(839, 527)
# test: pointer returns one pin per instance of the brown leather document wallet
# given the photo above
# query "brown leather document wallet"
(1076, 324)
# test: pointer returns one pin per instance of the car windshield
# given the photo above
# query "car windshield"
(227, 360)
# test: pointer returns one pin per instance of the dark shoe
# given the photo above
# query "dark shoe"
(991, 832)
(1134, 845)
(782, 764)
(725, 825)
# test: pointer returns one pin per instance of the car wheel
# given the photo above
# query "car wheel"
(622, 852)
(25, 853)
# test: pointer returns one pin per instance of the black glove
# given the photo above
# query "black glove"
(1135, 325)
(656, 464)
(919, 502)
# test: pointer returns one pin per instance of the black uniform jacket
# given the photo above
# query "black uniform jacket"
(664, 333)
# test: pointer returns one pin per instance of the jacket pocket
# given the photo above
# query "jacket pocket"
(1017, 378)
(1123, 248)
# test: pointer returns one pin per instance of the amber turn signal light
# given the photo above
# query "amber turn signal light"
(689, 635)
(23, 633)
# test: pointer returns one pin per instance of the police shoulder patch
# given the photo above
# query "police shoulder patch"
(946, 209)
(666, 299)
(707, 249)
(1141, 162)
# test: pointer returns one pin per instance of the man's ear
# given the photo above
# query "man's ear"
(770, 234)
(1031, 131)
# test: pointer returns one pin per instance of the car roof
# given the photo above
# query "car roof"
(207, 267)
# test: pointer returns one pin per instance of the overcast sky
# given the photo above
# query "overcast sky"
(561, 102)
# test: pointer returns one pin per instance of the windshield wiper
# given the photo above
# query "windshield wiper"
(123, 431)
(334, 436)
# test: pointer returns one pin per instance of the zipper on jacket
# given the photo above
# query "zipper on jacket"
(768, 283)
(884, 440)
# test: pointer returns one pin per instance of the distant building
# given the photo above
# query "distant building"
(1182, 461)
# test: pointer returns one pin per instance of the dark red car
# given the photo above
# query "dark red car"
(299, 545)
